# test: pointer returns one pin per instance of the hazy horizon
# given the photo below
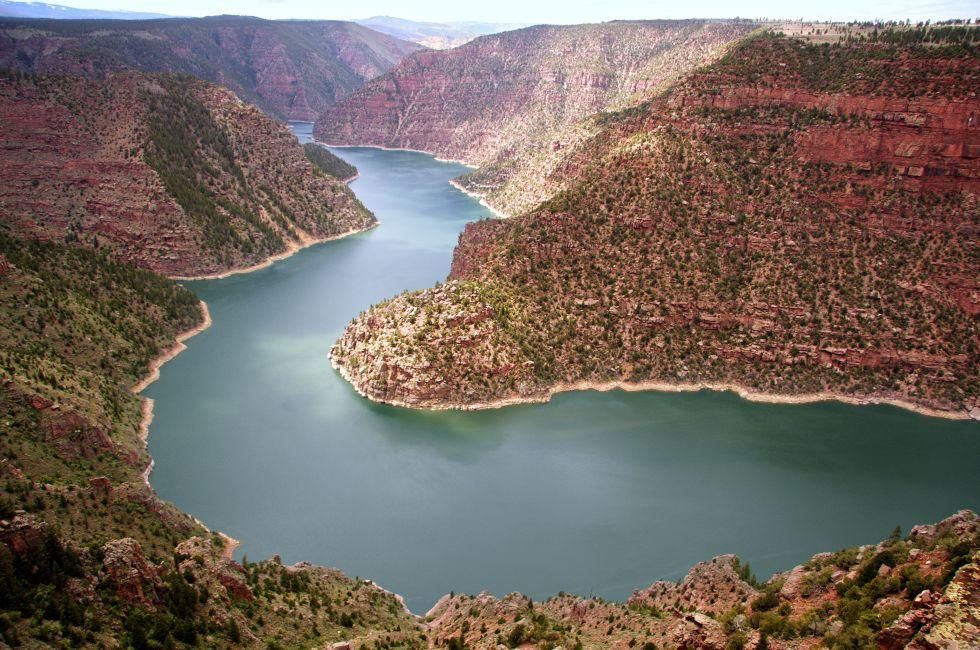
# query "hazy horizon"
(546, 11)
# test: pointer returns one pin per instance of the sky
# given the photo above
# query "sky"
(551, 11)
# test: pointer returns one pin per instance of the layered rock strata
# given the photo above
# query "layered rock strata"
(796, 221)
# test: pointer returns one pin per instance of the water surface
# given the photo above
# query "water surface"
(593, 493)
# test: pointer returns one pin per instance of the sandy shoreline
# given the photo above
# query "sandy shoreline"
(293, 248)
(173, 350)
(230, 545)
(662, 387)
(483, 201)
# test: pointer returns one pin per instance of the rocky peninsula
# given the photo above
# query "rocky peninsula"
(793, 220)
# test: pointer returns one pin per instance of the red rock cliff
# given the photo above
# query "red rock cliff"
(500, 93)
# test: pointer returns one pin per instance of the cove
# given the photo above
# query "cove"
(592, 493)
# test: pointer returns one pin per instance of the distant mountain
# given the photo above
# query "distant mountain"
(291, 69)
(45, 10)
(438, 36)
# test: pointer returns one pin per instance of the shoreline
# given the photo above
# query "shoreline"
(293, 248)
(498, 213)
(745, 393)
(154, 373)
(383, 148)
(230, 545)
(173, 350)
(452, 181)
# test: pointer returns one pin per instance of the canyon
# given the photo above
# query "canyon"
(89, 554)
(291, 69)
(701, 204)
(165, 171)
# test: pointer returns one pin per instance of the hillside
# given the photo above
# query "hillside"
(884, 596)
(290, 69)
(89, 555)
(515, 184)
(794, 220)
(168, 172)
(501, 94)
(323, 160)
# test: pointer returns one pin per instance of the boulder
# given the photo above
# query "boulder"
(134, 579)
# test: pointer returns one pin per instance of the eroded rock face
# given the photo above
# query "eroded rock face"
(903, 630)
(501, 93)
(223, 576)
(73, 435)
(766, 225)
(696, 630)
(169, 173)
(956, 616)
(963, 524)
(291, 69)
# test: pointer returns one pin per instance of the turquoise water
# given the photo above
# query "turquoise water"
(593, 493)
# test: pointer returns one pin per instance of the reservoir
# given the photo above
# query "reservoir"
(593, 493)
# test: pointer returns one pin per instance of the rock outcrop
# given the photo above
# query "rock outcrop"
(133, 579)
(793, 220)
(915, 593)
(712, 587)
(291, 69)
(167, 172)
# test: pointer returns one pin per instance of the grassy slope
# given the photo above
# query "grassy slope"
(238, 175)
